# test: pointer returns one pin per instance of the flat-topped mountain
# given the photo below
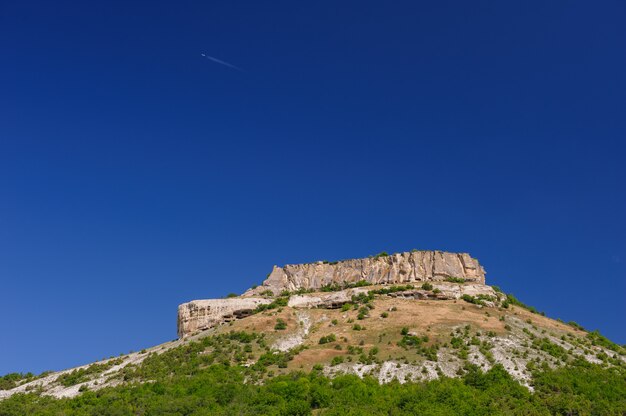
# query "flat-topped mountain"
(413, 317)
(382, 269)
(396, 268)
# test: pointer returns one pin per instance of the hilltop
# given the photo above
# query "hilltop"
(415, 317)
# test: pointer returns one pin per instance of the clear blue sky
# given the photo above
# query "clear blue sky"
(136, 174)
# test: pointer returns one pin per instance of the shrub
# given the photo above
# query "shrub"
(337, 360)
(427, 286)
(576, 325)
(384, 315)
(280, 325)
(327, 339)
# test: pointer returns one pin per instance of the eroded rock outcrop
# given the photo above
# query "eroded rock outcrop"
(198, 315)
(414, 266)
(332, 300)
(441, 291)
(395, 268)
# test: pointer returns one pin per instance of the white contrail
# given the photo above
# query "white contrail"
(219, 61)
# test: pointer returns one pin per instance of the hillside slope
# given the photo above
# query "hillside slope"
(435, 328)
(378, 332)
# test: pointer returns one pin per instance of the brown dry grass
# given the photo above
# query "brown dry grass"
(434, 318)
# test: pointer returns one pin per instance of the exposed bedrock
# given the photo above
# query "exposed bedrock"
(198, 315)
(415, 266)
(396, 268)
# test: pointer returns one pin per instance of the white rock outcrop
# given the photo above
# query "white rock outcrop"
(398, 268)
(329, 300)
(198, 315)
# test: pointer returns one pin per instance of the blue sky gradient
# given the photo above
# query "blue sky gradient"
(136, 174)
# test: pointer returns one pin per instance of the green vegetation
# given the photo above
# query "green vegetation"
(427, 286)
(83, 374)
(11, 380)
(327, 339)
(576, 325)
(276, 303)
(336, 360)
(512, 300)
(391, 289)
(472, 299)
(455, 280)
(336, 287)
(596, 339)
(218, 389)
(239, 373)
(544, 344)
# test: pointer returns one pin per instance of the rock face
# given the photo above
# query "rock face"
(396, 268)
(332, 300)
(198, 315)
(446, 291)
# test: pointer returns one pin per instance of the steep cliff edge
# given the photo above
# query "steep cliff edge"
(198, 315)
(386, 269)
(401, 268)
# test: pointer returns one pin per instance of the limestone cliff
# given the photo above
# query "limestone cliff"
(198, 315)
(414, 266)
(395, 268)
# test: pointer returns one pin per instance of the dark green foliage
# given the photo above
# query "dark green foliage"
(84, 374)
(579, 389)
(455, 280)
(327, 339)
(512, 300)
(280, 325)
(597, 339)
(391, 289)
(267, 292)
(337, 360)
(427, 286)
(381, 254)
(472, 299)
(277, 303)
(335, 287)
(362, 298)
(332, 287)
(551, 348)
(11, 380)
